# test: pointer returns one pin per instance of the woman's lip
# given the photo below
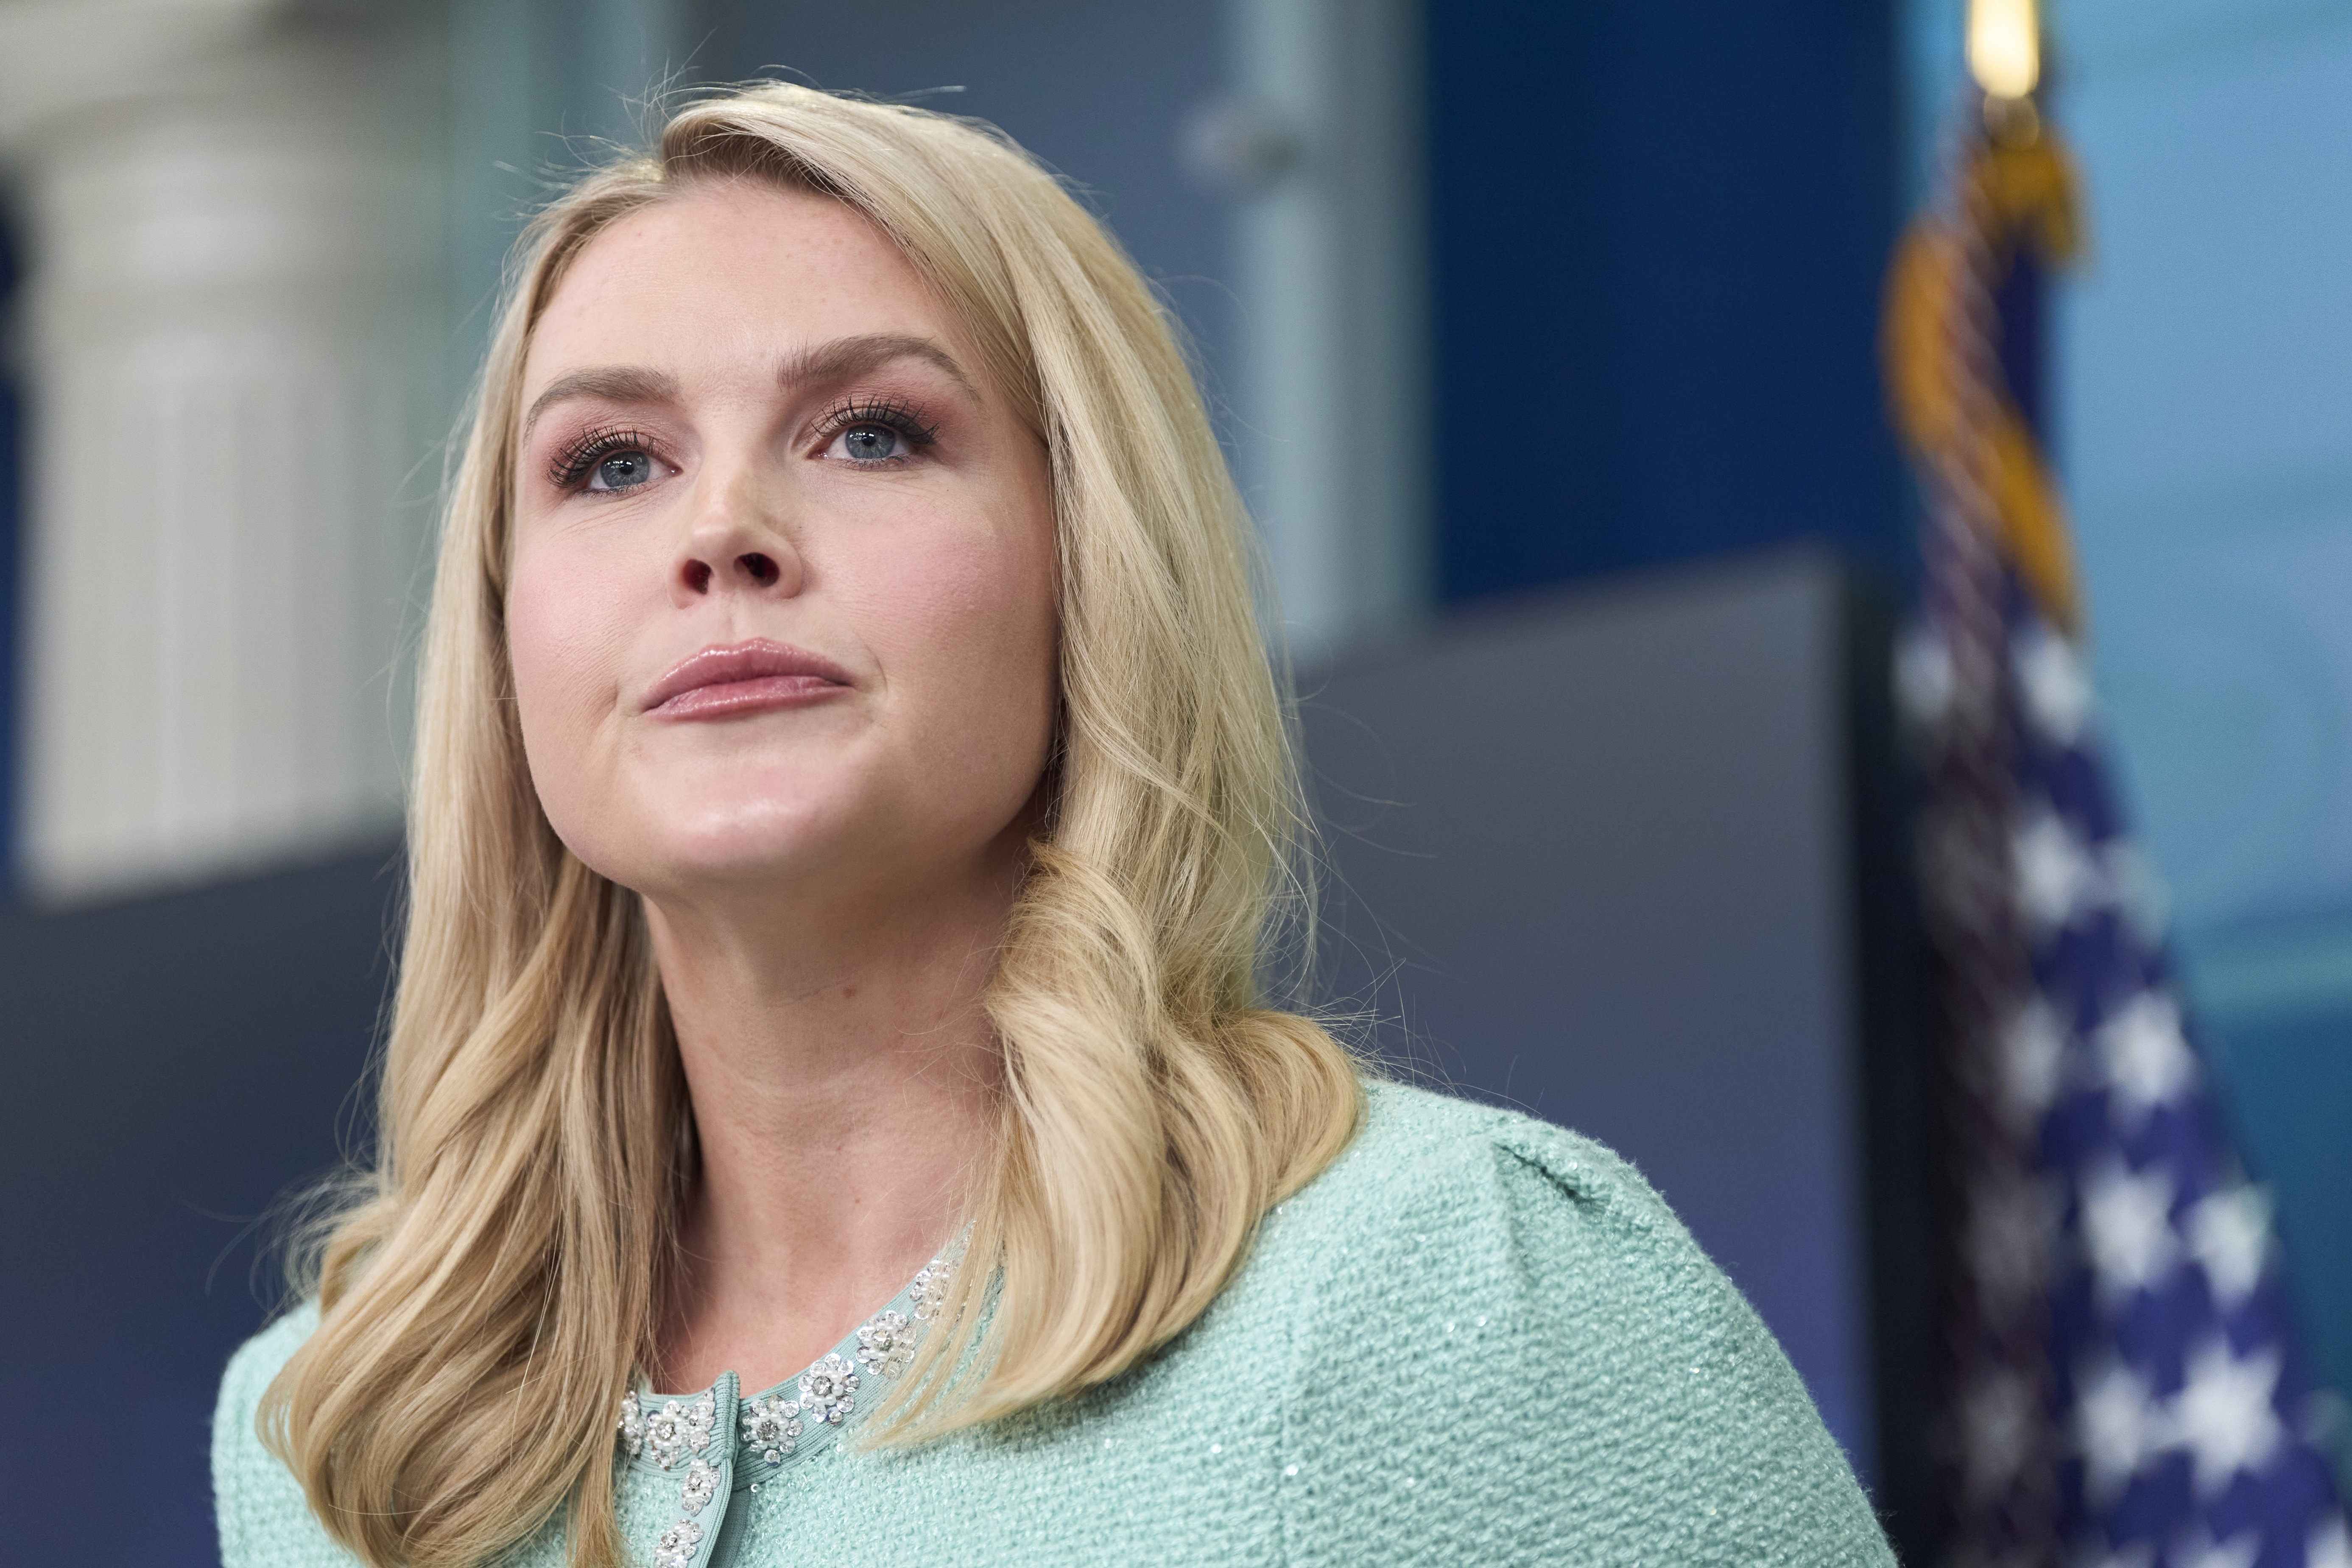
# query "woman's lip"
(743, 678)
(728, 698)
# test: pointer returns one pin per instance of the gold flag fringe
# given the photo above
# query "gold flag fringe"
(2024, 193)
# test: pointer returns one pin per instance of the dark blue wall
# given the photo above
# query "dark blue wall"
(174, 1066)
(1659, 230)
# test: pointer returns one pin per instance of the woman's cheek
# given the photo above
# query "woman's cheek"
(536, 639)
(980, 646)
(993, 605)
(562, 644)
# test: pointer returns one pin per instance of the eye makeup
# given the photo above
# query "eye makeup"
(897, 415)
(577, 459)
(573, 462)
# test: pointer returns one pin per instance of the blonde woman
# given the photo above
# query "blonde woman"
(830, 1113)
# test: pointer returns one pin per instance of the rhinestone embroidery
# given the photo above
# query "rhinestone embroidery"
(701, 1486)
(772, 1426)
(885, 1343)
(633, 1425)
(929, 1290)
(681, 1432)
(678, 1429)
(829, 1390)
(676, 1547)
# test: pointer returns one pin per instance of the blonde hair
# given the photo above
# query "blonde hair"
(483, 1309)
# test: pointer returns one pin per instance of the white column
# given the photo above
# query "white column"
(1332, 251)
(232, 334)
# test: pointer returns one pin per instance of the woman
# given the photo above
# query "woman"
(829, 1113)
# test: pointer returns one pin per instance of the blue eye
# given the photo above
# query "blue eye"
(621, 471)
(874, 433)
(871, 443)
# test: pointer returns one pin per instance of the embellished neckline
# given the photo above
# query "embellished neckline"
(716, 1442)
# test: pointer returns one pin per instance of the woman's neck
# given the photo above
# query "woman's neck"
(846, 1085)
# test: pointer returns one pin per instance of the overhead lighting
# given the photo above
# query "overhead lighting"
(2004, 46)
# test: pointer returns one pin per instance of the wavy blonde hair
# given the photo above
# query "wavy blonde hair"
(486, 1302)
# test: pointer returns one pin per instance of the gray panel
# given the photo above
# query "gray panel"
(1589, 858)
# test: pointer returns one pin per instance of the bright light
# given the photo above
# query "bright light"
(2004, 46)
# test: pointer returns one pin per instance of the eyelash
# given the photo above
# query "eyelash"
(579, 458)
(889, 412)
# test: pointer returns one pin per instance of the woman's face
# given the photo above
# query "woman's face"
(782, 603)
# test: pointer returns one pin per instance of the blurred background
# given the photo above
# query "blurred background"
(1543, 338)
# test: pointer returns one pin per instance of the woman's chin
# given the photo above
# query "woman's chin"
(721, 854)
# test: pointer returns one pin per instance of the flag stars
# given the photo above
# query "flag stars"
(1924, 677)
(2056, 878)
(2128, 1227)
(2009, 1226)
(2073, 1082)
(2330, 1545)
(2148, 1058)
(2222, 1415)
(1999, 1417)
(2201, 1551)
(2051, 680)
(2117, 1426)
(2229, 1236)
(2033, 1047)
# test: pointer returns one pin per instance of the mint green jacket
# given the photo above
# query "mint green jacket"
(1476, 1339)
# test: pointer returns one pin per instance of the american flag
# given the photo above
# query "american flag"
(2126, 1388)
(2160, 1415)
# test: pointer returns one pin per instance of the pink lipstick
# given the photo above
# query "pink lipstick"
(745, 678)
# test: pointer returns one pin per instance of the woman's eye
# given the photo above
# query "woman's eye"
(621, 471)
(871, 443)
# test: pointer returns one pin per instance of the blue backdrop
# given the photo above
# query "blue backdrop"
(1659, 232)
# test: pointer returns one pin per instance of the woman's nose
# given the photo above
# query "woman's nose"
(735, 542)
(758, 568)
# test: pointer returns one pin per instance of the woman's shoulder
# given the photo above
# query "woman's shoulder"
(1427, 1128)
(1439, 1202)
(1499, 1330)
(1428, 1155)
(265, 1520)
(258, 1360)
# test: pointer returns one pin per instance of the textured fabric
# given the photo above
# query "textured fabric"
(1474, 1339)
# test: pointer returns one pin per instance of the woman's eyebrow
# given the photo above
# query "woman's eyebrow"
(613, 383)
(836, 361)
(846, 357)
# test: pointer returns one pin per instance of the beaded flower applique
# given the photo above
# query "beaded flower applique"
(929, 1290)
(676, 1547)
(775, 1425)
(678, 1429)
(701, 1486)
(829, 1390)
(771, 1425)
(885, 1343)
